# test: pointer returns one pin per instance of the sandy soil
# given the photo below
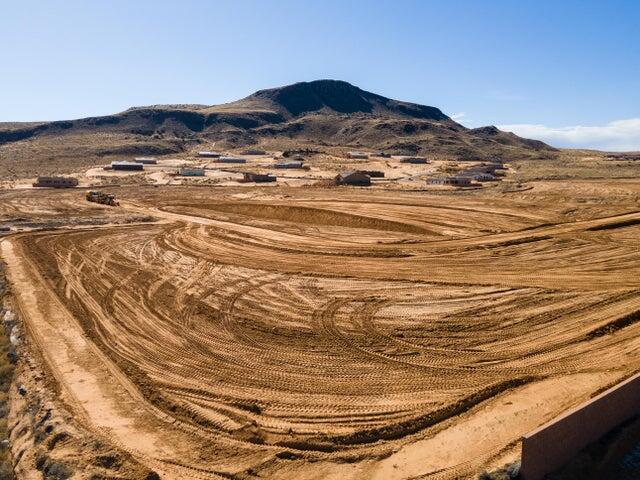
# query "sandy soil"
(331, 332)
(318, 167)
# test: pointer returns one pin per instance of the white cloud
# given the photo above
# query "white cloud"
(462, 119)
(620, 135)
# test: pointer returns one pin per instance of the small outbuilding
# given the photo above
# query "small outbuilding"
(484, 177)
(457, 181)
(227, 159)
(358, 155)
(127, 166)
(209, 154)
(494, 169)
(358, 178)
(56, 182)
(415, 160)
(374, 173)
(289, 165)
(146, 160)
(258, 177)
(253, 151)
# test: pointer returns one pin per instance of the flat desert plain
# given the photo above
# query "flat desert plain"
(327, 332)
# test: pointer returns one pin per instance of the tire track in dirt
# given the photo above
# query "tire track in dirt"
(265, 346)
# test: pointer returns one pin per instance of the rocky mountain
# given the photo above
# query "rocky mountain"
(318, 113)
(334, 96)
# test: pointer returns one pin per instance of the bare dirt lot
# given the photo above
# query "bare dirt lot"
(317, 333)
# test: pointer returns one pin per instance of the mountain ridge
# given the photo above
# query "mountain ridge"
(342, 97)
(321, 112)
(326, 95)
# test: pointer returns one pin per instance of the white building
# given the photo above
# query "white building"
(358, 155)
(207, 153)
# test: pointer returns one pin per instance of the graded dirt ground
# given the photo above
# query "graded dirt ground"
(312, 333)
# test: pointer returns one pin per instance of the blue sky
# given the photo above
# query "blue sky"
(568, 71)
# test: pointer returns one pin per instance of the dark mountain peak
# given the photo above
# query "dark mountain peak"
(317, 87)
(489, 130)
(312, 96)
(341, 97)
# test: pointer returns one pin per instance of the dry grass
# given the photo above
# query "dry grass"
(575, 164)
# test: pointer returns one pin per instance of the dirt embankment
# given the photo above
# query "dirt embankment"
(39, 438)
(308, 215)
(7, 364)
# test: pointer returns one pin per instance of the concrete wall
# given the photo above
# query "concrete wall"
(554, 444)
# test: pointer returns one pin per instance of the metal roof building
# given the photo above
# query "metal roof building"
(253, 151)
(145, 160)
(56, 182)
(288, 165)
(357, 178)
(460, 181)
(191, 172)
(232, 160)
(414, 160)
(133, 166)
(258, 177)
(484, 177)
(207, 153)
(374, 173)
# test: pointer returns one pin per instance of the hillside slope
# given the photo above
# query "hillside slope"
(323, 112)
